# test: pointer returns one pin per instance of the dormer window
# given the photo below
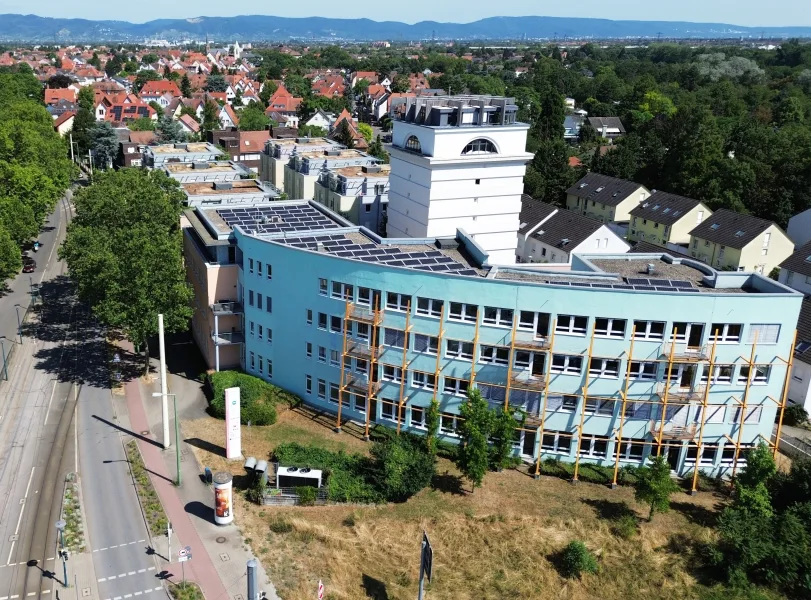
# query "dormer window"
(739, 233)
(714, 226)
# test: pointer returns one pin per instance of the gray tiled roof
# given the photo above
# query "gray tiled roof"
(804, 331)
(611, 192)
(532, 212)
(729, 228)
(800, 261)
(664, 208)
(610, 122)
(565, 225)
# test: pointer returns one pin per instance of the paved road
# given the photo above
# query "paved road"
(36, 441)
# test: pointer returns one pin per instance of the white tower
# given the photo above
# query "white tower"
(458, 163)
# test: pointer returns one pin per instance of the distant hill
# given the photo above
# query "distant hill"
(31, 28)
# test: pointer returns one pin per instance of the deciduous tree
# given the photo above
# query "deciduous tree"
(654, 486)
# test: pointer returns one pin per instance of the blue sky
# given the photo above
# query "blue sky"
(753, 13)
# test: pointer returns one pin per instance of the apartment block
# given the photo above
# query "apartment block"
(359, 194)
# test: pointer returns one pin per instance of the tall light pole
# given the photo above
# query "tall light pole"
(60, 525)
(164, 386)
(5, 365)
(177, 433)
(19, 323)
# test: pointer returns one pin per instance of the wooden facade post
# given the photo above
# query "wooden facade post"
(343, 364)
(373, 344)
(583, 406)
(744, 405)
(663, 405)
(704, 405)
(406, 335)
(545, 397)
(618, 443)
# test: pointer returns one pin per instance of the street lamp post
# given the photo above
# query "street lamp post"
(5, 365)
(177, 433)
(60, 525)
(19, 323)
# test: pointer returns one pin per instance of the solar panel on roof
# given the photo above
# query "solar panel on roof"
(400, 256)
(396, 263)
(469, 272)
(412, 261)
(444, 259)
(665, 288)
(688, 290)
(681, 283)
(647, 288)
(579, 284)
(660, 282)
(636, 281)
(620, 286)
(559, 282)
(602, 285)
(433, 253)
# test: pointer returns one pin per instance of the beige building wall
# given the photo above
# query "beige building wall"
(298, 186)
(607, 214)
(272, 170)
(761, 255)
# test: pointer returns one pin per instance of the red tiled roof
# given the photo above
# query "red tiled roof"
(142, 138)
(52, 96)
(128, 112)
(160, 87)
(65, 116)
(575, 162)
(189, 122)
(253, 140)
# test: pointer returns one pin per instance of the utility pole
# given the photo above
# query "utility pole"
(252, 579)
(90, 164)
(164, 397)
(5, 365)
(72, 158)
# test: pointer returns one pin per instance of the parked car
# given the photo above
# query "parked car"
(29, 265)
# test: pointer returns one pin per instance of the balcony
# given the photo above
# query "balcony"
(229, 338)
(683, 353)
(364, 314)
(360, 384)
(694, 393)
(521, 381)
(671, 431)
(358, 349)
(532, 344)
(222, 309)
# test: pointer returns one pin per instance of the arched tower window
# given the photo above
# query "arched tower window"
(480, 146)
(413, 144)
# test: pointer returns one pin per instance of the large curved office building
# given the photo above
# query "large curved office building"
(615, 358)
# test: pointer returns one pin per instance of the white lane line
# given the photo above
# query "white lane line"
(20, 518)
(48, 410)
(102, 579)
(137, 593)
(3, 597)
(116, 546)
(117, 598)
(128, 595)
(131, 573)
(30, 593)
(142, 570)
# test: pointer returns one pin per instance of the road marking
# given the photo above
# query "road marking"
(31, 594)
(148, 591)
(137, 593)
(48, 410)
(142, 570)
(128, 595)
(102, 579)
(131, 573)
(117, 598)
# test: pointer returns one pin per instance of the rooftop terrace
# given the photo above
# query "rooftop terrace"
(190, 148)
(215, 188)
(382, 173)
(222, 166)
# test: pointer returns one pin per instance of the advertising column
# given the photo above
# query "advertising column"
(233, 439)
(223, 499)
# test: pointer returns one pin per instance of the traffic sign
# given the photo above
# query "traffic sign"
(184, 554)
(320, 590)
(427, 556)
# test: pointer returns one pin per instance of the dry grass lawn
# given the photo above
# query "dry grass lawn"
(497, 543)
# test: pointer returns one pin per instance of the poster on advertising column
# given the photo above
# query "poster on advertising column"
(233, 439)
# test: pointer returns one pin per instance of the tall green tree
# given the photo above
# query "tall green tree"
(124, 251)
(169, 131)
(654, 486)
(211, 119)
(344, 135)
(216, 83)
(10, 257)
(253, 118)
(103, 144)
(473, 457)
(549, 174)
(185, 86)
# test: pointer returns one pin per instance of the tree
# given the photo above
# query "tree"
(83, 124)
(156, 107)
(432, 418)
(386, 122)
(185, 86)
(312, 131)
(211, 119)
(142, 124)
(401, 84)
(253, 118)
(103, 144)
(113, 66)
(654, 485)
(760, 467)
(376, 149)
(95, 61)
(575, 559)
(401, 467)
(268, 89)
(297, 85)
(150, 58)
(169, 131)
(10, 257)
(123, 251)
(216, 83)
(58, 81)
(17, 221)
(237, 101)
(86, 98)
(344, 135)
(366, 131)
(473, 458)
(502, 434)
(549, 174)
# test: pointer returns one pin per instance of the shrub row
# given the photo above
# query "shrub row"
(258, 398)
(588, 472)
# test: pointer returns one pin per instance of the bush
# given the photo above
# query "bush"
(795, 415)
(256, 492)
(306, 495)
(258, 398)
(575, 559)
(281, 525)
(625, 527)
(401, 467)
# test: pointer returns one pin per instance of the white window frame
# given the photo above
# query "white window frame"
(604, 368)
(464, 312)
(626, 446)
(322, 354)
(645, 333)
(322, 389)
(323, 286)
(592, 442)
(602, 407)
(760, 377)
(454, 422)
(308, 349)
(343, 291)
(524, 324)
(499, 318)
(455, 386)
(420, 422)
(639, 370)
(429, 307)
(397, 302)
(401, 336)
(336, 324)
(334, 358)
(768, 333)
(365, 296)
(609, 330)
(308, 384)
(724, 336)
(325, 320)
(423, 381)
(717, 377)
(391, 374)
(387, 405)
(555, 447)
(459, 350)
(568, 325)
(494, 355)
(566, 368)
(432, 344)
(253, 361)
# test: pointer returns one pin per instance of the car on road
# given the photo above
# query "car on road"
(29, 265)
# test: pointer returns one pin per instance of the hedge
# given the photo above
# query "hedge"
(258, 398)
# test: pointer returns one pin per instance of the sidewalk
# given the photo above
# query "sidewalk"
(219, 555)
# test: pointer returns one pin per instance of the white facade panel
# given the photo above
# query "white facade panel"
(799, 389)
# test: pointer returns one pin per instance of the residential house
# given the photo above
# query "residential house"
(799, 227)
(666, 219)
(64, 123)
(61, 107)
(359, 194)
(609, 128)
(227, 117)
(732, 241)
(335, 130)
(130, 152)
(520, 71)
(241, 146)
(162, 92)
(188, 124)
(284, 103)
(370, 76)
(607, 199)
(569, 102)
(795, 271)
(548, 234)
(53, 96)
(799, 387)
(321, 119)
(131, 111)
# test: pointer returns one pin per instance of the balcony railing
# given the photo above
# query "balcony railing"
(228, 338)
(227, 308)
(535, 344)
(364, 314)
(681, 352)
(359, 384)
(521, 381)
(693, 393)
(360, 350)
(671, 431)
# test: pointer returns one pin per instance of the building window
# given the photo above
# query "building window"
(568, 364)
(308, 349)
(721, 374)
(599, 406)
(611, 328)
(269, 304)
(309, 316)
(418, 417)
(429, 307)
(336, 324)
(604, 367)
(729, 333)
(562, 403)
(259, 268)
(334, 359)
(360, 403)
(495, 355)
(448, 423)
(261, 364)
(649, 330)
(593, 446)
(398, 302)
(463, 312)
(457, 387)
(413, 144)
(361, 366)
(250, 266)
(753, 414)
(571, 324)
(760, 375)
(498, 316)
(250, 297)
(269, 270)
(631, 449)
(557, 442)
(252, 328)
(260, 332)
(308, 384)
(426, 344)
(480, 146)
(322, 287)
(393, 337)
(322, 354)
(342, 291)
(387, 410)
(270, 368)
(322, 321)
(335, 394)
(459, 349)
(259, 301)
(253, 361)
(365, 296)
(423, 381)
(642, 371)
(764, 333)
(535, 322)
(269, 335)
(392, 373)
(362, 331)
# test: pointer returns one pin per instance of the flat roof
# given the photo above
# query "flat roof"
(385, 171)
(344, 153)
(302, 141)
(190, 148)
(213, 188)
(213, 167)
